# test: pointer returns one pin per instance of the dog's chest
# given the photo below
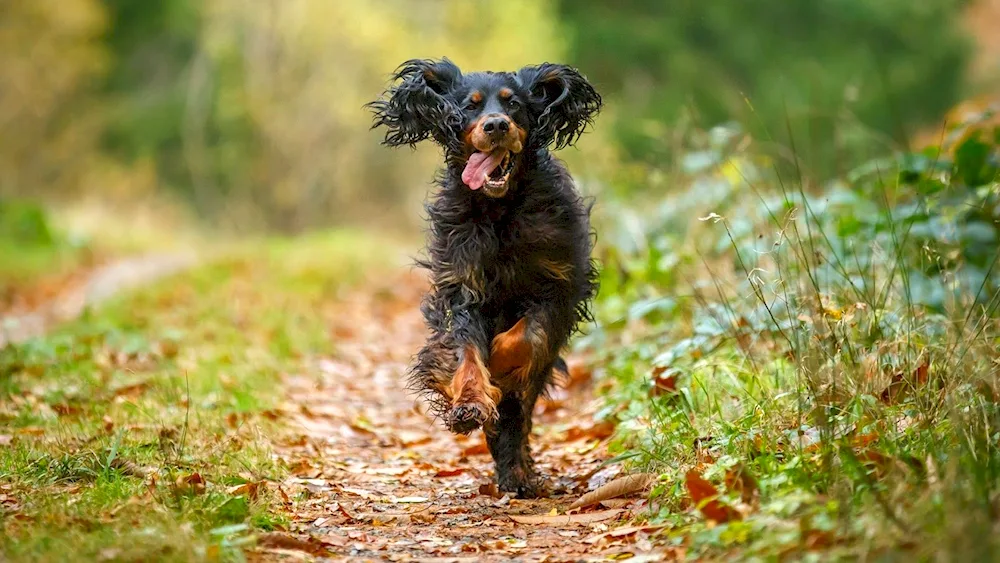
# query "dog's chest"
(529, 249)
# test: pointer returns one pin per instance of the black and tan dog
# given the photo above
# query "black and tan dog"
(509, 245)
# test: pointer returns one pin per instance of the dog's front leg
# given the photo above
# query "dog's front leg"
(473, 396)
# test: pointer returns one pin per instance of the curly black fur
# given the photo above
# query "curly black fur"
(495, 260)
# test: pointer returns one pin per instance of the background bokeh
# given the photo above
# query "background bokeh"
(246, 115)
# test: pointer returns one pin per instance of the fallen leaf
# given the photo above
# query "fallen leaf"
(108, 423)
(898, 385)
(476, 449)
(251, 490)
(705, 498)
(600, 431)
(190, 484)
(895, 389)
(622, 532)
(490, 490)
(410, 500)
(441, 473)
(817, 539)
(339, 507)
(284, 495)
(579, 373)
(565, 519)
(169, 348)
(334, 540)
(363, 493)
(279, 540)
(664, 381)
(739, 479)
(393, 471)
(408, 438)
(65, 409)
(921, 375)
(617, 488)
(615, 503)
(131, 391)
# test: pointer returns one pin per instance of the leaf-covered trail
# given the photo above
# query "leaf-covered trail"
(374, 478)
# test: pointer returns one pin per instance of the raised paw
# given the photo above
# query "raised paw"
(474, 398)
(466, 417)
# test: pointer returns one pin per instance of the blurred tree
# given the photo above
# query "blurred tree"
(834, 68)
(274, 118)
(151, 45)
(50, 53)
(253, 111)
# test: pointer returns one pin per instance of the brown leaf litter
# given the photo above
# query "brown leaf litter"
(373, 477)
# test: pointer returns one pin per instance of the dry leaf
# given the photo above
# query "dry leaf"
(565, 519)
(622, 532)
(65, 409)
(410, 500)
(190, 484)
(278, 540)
(479, 448)
(284, 495)
(705, 497)
(600, 431)
(169, 348)
(739, 479)
(490, 490)
(616, 488)
(579, 373)
(251, 490)
(898, 385)
(664, 381)
(449, 472)
(131, 391)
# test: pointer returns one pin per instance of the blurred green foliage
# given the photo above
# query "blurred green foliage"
(251, 115)
(814, 75)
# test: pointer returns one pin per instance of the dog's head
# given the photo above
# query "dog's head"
(486, 120)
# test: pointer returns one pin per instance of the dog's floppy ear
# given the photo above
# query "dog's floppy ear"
(562, 101)
(418, 107)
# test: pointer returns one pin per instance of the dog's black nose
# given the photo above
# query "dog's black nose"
(496, 125)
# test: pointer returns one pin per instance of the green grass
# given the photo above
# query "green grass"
(110, 416)
(31, 249)
(837, 345)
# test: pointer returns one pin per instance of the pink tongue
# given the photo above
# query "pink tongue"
(479, 166)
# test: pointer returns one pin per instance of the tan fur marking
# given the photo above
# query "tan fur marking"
(471, 383)
(478, 140)
(469, 278)
(556, 270)
(506, 93)
(514, 353)
(476, 97)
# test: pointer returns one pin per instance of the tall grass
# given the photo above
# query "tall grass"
(839, 342)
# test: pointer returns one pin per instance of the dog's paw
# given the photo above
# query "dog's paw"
(524, 486)
(466, 417)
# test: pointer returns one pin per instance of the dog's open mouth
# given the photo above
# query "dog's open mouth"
(491, 170)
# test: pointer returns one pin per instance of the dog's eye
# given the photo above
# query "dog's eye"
(471, 105)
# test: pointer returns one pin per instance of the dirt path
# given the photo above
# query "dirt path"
(89, 288)
(375, 479)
